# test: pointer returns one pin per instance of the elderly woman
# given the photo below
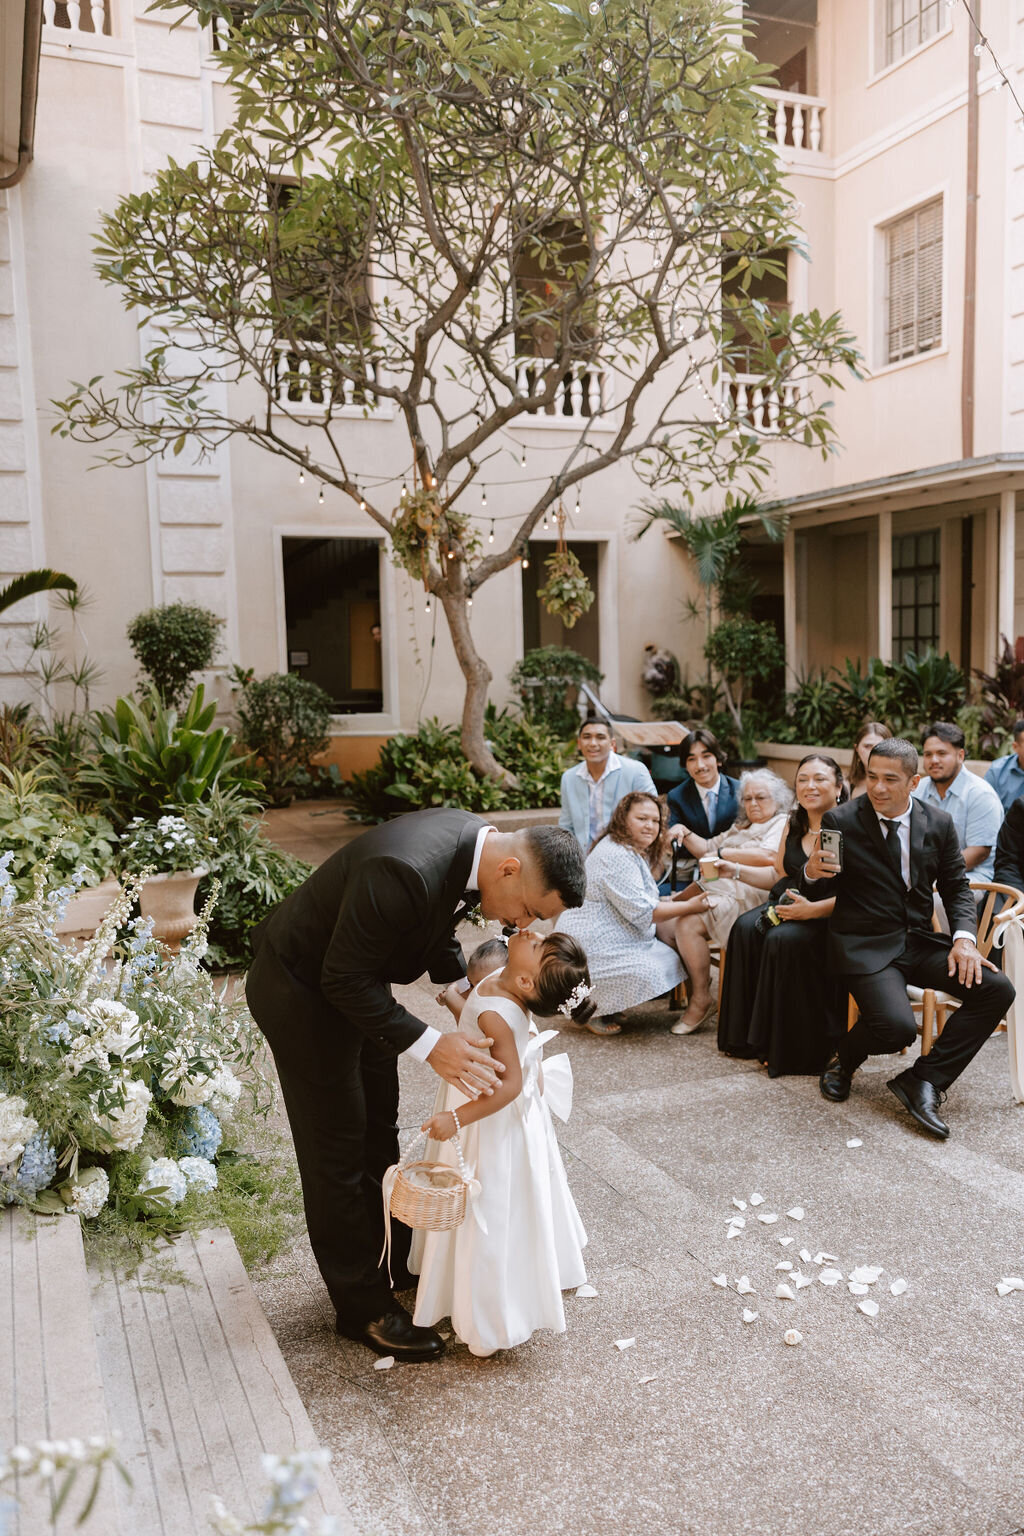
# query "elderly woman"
(625, 928)
(708, 909)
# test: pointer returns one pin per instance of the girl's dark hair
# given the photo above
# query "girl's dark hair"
(701, 738)
(799, 821)
(858, 773)
(616, 829)
(563, 966)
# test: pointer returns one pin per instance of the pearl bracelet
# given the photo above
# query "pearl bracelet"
(455, 1116)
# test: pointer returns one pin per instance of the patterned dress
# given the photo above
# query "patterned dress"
(628, 962)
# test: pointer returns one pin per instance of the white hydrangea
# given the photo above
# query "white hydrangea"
(16, 1128)
(164, 1174)
(199, 1173)
(225, 1091)
(126, 1126)
(86, 1194)
(86, 1049)
(179, 1081)
(116, 1027)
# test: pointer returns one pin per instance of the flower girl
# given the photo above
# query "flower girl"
(501, 1274)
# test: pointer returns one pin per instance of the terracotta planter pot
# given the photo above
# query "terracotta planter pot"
(86, 910)
(170, 900)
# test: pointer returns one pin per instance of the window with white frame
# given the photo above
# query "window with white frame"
(908, 24)
(913, 283)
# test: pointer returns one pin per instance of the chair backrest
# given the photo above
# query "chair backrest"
(990, 919)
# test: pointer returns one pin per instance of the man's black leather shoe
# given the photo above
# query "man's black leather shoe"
(922, 1099)
(396, 1334)
(834, 1081)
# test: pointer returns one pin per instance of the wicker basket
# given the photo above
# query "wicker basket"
(430, 1196)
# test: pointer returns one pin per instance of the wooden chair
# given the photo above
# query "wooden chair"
(933, 1006)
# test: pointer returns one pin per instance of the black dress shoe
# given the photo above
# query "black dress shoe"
(395, 1333)
(922, 1099)
(834, 1081)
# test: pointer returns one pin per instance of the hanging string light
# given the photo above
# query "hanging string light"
(428, 603)
(362, 503)
(320, 498)
(526, 562)
(522, 461)
(404, 490)
(981, 46)
(483, 501)
(302, 475)
(490, 536)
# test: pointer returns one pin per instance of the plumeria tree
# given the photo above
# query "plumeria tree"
(458, 210)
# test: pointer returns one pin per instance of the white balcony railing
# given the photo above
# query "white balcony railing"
(88, 17)
(583, 391)
(794, 121)
(748, 400)
(307, 385)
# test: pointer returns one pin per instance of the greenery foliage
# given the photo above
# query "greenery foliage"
(567, 594)
(430, 768)
(1000, 704)
(747, 654)
(547, 681)
(172, 643)
(283, 720)
(36, 820)
(827, 708)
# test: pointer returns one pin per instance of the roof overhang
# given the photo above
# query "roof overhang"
(960, 480)
(21, 33)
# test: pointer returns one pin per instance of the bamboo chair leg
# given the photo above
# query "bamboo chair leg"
(852, 1013)
(927, 1021)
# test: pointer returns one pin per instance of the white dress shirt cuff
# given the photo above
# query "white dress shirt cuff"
(963, 933)
(422, 1047)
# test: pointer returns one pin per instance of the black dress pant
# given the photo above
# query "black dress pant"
(887, 1021)
(341, 1094)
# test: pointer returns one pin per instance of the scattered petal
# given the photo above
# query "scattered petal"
(645, 1379)
(854, 1141)
(830, 1276)
(785, 1241)
(737, 1221)
(826, 1258)
(866, 1274)
(721, 1280)
(586, 1290)
(898, 1287)
(857, 1288)
(748, 1316)
(1014, 1282)
(1004, 1288)
(768, 1217)
(735, 1232)
(797, 1213)
(444, 1334)
(869, 1308)
(801, 1280)
(757, 1199)
(624, 1343)
(384, 1364)
(784, 1293)
(740, 1205)
(792, 1336)
(805, 1255)
(784, 1264)
(744, 1287)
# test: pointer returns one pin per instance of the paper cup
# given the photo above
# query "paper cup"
(709, 867)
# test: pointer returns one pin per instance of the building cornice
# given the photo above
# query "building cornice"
(966, 477)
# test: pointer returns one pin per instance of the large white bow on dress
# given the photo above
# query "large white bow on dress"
(557, 1091)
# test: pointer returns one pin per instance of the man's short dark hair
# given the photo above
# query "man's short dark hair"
(559, 862)
(1018, 729)
(701, 738)
(946, 731)
(594, 720)
(900, 750)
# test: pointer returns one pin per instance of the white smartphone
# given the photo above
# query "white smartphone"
(831, 843)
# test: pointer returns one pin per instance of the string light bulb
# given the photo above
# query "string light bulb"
(320, 498)
(490, 536)
(362, 503)
(577, 503)
(428, 603)
(522, 461)
(469, 602)
(483, 502)
(302, 475)
(979, 48)
(404, 491)
(526, 562)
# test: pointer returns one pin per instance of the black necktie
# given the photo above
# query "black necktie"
(892, 847)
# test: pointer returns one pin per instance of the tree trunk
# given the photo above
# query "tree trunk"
(478, 678)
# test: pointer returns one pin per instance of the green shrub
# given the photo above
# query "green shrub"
(283, 719)
(547, 681)
(171, 644)
(148, 757)
(255, 874)
(33, 815)
(827, 708)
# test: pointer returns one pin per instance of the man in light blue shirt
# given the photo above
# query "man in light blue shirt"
(972, 804)
(1006, 774)
(591, 791)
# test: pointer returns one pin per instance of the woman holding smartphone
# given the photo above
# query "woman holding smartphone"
(779, 1004)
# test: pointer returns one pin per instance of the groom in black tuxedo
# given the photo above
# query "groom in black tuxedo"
(383, 909)
(895, 850)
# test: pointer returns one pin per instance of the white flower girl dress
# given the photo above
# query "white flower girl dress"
(501, 1274)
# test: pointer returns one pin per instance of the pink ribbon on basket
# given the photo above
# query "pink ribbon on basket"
(387, 1184)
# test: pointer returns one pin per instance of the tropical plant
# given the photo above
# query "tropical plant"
(283, 720)
(448, 149)
(827, 708)
(37, 822)
(148, 756)
(1001, 698)
(746, 653)
(31, 583)
(547, 682)
(20, 733)
(171, 644)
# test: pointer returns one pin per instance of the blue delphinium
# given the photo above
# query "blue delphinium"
(200, 1134)
(38, 1165)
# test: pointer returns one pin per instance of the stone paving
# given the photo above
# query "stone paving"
(907, 1422)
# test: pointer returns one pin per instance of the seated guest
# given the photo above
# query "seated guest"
(627, 933)
(973, 805)
(869, 735)
(708, 914)
(1006, 774)
(592, 790)
(895, 849)
(1009, 860)
(708, 801)
(779, 1004)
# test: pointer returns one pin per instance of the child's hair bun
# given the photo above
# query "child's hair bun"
(583, 1011)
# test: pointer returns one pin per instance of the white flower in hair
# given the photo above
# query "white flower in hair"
(576, 996)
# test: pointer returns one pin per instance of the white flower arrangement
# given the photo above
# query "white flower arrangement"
(199, 1173)
(86, 1193)
(167, 846)
(16, 1128)
(163, 1184)
(124, 1125)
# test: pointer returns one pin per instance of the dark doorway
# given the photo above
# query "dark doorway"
(332, 616)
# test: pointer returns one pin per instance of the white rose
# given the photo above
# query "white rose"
(119, 1026)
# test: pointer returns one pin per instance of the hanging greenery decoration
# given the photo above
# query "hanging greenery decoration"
(567, 594)
(424, 527)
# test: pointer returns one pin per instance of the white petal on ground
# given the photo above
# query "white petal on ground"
(757, 1199)
(721, 1280)
(586, 1290)
(785, 1241)
(1003, 1289)
(792, 1336)
(645, 1379)
(784, 1264)
(866, 1274)
(737, 1221)
(740, 1205)
(1014, 1282)
(805, 1254)
(801, 1280)
(898, 1287)
(748, 1316)
(869, 1308)
(734, 1232)
(854, 1141)
(857, 1288)
(797, 1213)
(826, 1258)
(830, 1276)
(768, 1217)
(744, 1287)
(624, 1343)
(784, 1293)
(384, 1364)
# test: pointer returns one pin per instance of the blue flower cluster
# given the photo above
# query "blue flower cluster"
(141, 956)
(200, 1134)
(38, 1165)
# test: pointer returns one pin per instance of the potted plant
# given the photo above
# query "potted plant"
(171, 855)
(745, 653)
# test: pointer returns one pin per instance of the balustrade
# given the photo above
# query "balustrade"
(582, 391)
(761, 406)
(89, 17)
(307, 384)
(794, 121)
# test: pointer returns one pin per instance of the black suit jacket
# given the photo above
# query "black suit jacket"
(874, 911)
(1009, 865)
(685, 805)
(380, 910)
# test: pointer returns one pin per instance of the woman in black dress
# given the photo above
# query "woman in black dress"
(779, 1003)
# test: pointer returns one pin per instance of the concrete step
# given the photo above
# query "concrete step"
(49, 1364)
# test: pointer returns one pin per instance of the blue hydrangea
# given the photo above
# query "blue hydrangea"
(38, 1165)
(199, 1134)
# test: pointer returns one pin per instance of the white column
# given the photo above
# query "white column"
(789, 603)
(992, 607)
(1007, 561)
(885, 585)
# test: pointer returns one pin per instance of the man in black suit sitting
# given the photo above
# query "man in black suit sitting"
(894, 850)
(383, 909)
